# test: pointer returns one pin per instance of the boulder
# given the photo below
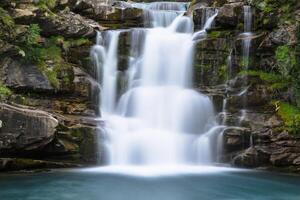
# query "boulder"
(66, 24)
(20, 76)
(80, 144)
(118, 15)
(236, 138)
(252, 157)
(283, 35)
(230, 15)
(25, 129)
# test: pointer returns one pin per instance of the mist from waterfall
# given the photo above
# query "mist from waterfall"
(159, 119)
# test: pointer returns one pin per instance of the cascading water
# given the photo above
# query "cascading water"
(246, 42)
(247, 35)
(159, 119)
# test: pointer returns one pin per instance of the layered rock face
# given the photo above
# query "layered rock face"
(47, 78)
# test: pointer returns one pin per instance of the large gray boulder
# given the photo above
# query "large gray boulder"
(24, 129)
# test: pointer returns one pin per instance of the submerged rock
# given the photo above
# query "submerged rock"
(16, 164)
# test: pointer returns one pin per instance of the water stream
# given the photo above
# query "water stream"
(158, 119)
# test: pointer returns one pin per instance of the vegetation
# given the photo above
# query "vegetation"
(6, 24)
(276, 81)
(290, 115)
(47, 55)
(4, 91)
(47, 3)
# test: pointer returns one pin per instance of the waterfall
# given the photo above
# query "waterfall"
(247, 35)
(159, 119)
(246, 43)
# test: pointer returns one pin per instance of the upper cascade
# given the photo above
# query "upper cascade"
(161, 14)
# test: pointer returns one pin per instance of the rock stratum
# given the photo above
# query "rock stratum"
(47, 79)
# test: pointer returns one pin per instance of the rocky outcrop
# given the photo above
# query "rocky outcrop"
(22, 76)
(24, 129)
(116, 16)
(67, 24)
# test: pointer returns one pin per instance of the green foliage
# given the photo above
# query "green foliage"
(286, 59)
(276, 81)
(47, 56)
(47, 3)
(32, 36)
(31, 45)
(6, 25)
(5, 18)
(4, 91)
(290, 115)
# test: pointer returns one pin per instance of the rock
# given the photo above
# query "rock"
(283, 159)
(21, 76)
(296, 161)
(230, 15)
(284, 35)
(24, 16)
(253, 92)
(79, 144)
(66, 24)
(274, 122)
(25, 129)
(200, 16)
(236, 138)
(117, 16)
(252, 157)
(15, 164)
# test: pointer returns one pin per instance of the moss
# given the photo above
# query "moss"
(276, 81)
(290, 115)
(4, 91)
(223, 72)
(286, 59)
(47, 3)
(215, 34)
(5, 18)
(7, 25)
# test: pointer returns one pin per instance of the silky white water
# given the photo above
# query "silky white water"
(159, 119)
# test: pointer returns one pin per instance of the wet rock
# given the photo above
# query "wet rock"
(16, 164)
(80, 144)
(21, 76)
(252, 157)
(236, 138)
(201, 14)
(211, 60)
(230, 15)
(25, 129)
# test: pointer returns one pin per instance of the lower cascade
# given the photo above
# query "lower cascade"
(155, 117)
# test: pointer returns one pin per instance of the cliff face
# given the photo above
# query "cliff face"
(47, 78)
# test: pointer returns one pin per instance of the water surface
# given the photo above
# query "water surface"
(95, 184)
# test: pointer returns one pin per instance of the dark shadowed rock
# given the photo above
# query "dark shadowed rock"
(236, 138)
(252, 157)
(19, 76)
(15, 164)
